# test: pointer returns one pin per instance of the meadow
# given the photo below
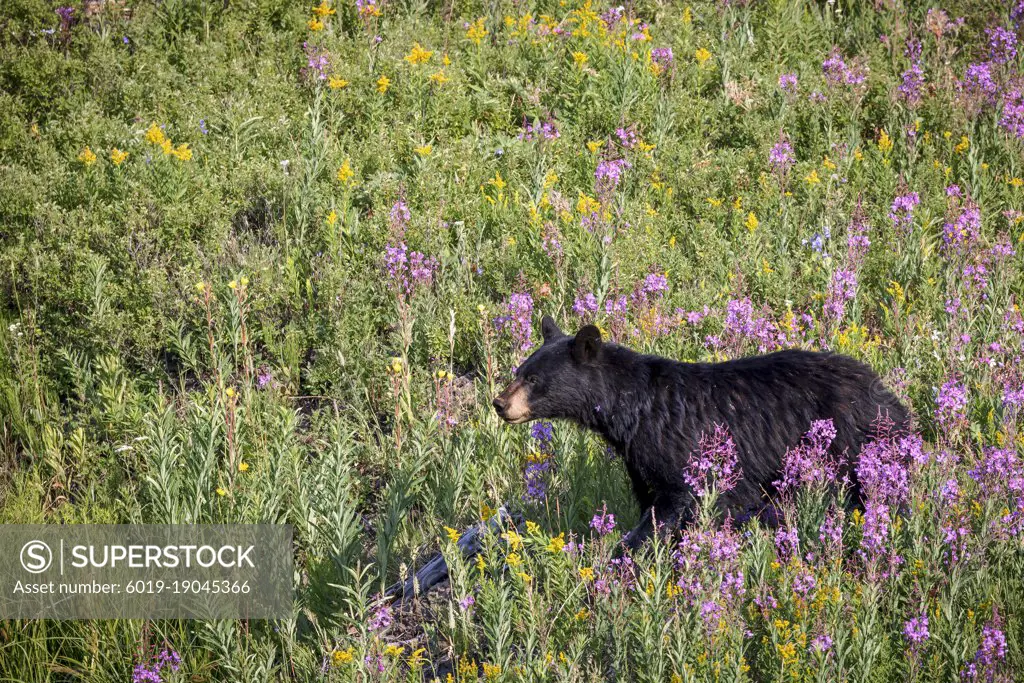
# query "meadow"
(266, 261)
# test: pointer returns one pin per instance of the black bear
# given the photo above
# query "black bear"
(654, 410)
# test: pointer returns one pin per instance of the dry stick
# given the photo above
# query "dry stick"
(436, 570)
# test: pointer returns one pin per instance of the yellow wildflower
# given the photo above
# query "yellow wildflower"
(587, 573)
(394, 650)
(514, 540)
(556, 543)
(332, 218)
(396, 366)
(345, 173)
(167, 147)
(453, 534)
(315, 24)
(513, 560)
(497, 181)
(416, 658)
(342, 657)
(383, 83)
(446, 60)
(714, 202)
(491, 670)
(1016, 182)
(525, 577)
(595, 145)
(155, 134)
(323, 9)
(963, 146)
(87, 157)
(221, 491)
(243, 467)
(486, 511)
(687, 16)
(580, 58)
(418, 55)
(702, 55)
(476, 31)
(813, 178)
(200, 286)
(884, 142)
(751, 222)
(335, 83)
(532, 528)
(183, 153)
(230, 392)
(118, 157)
(424, 150)
(438, 78)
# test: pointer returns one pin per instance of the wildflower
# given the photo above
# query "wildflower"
(118, 157)
(467, 602)
(951, 405)
(812, 178)
(838, 73)
(243, 467)
(332, 218)
(155, 134)
(579, 58)
(702, 55)
(780, 158)
(317, 62)
(603, 523)
(518, 322)
(335, 83)
(902, 210)
(368, 8)
(810, 464)
(609, 173)
(821, 644)
(221, 491)
(418, 55)
(1012, 119)
(423, 150)
(381, 619)
(538, 130)
(438, 78)
(345, 172)
(324, 9)
(751, 222)
(182, 152)
(263, 377)
(87, 156)
(453, 534)
(715, 465)
(342, 657)
(476, 31)
(916, 630)
(1002, 44)
(587, 573)
(662, 58)
(383, 83)
(788, 83)
(557, 543)
(315, 24)
(912, 82)
(989, 656)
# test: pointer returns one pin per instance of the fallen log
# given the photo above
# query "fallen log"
(435, 571)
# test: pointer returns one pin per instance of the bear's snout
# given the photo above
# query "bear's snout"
(511, 404)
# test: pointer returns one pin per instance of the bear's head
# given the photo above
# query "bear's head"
(554, 381)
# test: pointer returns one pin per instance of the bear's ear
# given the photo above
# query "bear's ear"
(549, 330)
(587, 344)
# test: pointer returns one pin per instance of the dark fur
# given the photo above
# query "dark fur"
(654, 410)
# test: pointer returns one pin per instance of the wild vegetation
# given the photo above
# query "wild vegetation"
(268, 262)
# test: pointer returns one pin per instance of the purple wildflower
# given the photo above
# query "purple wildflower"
(780, 158)
(381, 619)
(603, 522)
(1012, 118)
(821, 644)
(810, 464)
(788, 83)
(609, 173)
(902, 211)
(841, 290)
(317, 62)
(467, 602)
(519, 321)
(585, 305)
(1002, 44)
(916, 630)
(663, 57)
(913, 81)
(951, 405)
(715, 465)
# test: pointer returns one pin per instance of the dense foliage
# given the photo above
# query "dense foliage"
(267, 262)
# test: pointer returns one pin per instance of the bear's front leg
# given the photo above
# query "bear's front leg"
(668, 512)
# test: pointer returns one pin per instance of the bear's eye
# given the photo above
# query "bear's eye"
(531, 379)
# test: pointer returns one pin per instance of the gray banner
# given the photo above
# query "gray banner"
(145, 571)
